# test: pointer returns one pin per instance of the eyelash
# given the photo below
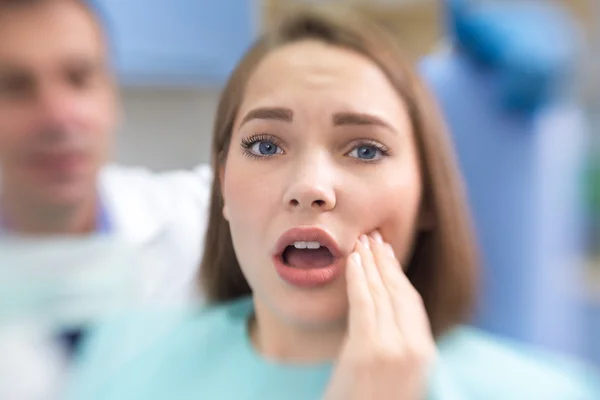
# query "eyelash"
(385, 151)
(248, 142)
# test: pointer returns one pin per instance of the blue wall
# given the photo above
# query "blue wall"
(178, 42)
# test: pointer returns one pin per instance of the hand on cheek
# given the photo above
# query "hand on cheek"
(389, 345)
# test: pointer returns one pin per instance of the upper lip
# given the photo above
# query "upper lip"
(307, 234)
(57, 155)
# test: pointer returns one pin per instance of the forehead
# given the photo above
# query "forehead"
(38, 35)
(315, 74)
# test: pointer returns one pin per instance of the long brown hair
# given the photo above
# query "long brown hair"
(443, 264)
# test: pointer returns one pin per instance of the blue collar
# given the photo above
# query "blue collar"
(103, 222)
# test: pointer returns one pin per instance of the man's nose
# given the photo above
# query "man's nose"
(311, 188)
(57, 108)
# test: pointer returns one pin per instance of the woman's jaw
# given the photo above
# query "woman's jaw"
(320, 272)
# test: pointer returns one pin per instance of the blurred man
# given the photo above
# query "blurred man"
(59, 108)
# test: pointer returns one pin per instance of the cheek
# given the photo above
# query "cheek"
(101, 117)
(397, 210)
(97, 112)
(249, 198)
(17, 130)
(249, 195)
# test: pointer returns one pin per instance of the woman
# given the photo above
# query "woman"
(339, 260)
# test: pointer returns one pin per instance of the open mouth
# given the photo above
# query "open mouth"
(307, 247)
(306, 255)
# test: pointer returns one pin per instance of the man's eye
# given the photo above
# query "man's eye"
(15, 87)
(79, 79)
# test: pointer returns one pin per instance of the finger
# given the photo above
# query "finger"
(383, 308)
(374, 280)
(407, 305)
(388, 266)
(361, 307)
(406, 288)
(388, 270)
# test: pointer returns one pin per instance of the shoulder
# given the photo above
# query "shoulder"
(141, 204)
(142, 330)
(491, 367)
(141, 342)
(194, 183)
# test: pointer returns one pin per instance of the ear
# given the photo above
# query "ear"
(224, 203)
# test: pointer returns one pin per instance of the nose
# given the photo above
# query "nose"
(311, 190)
(57, 107)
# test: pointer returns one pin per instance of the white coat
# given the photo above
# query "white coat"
(164, 217)
(161, 218)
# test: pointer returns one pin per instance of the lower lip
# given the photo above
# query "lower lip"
(308, 277)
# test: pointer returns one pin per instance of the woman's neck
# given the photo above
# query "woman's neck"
(276, 340)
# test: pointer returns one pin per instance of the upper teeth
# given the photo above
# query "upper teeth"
(307, 245)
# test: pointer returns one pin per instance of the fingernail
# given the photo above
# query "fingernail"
(356, 259)
(376, 236)
(365, 241)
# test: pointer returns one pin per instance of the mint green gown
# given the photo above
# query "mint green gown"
(206, 354)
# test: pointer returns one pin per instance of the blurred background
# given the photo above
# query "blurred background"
(173, 61)
(531, 167)
(172, 106)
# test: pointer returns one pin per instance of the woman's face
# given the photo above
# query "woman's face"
(322, 151)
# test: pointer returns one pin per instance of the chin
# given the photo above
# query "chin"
(317, 308)
(66, 194)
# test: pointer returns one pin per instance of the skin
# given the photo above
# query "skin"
(317, 175)
(389, 347)
(57, 116)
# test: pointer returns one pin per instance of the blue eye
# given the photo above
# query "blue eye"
(265, 148)
(366, 152)
(262, 146)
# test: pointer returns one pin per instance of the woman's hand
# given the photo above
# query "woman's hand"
(389, 346)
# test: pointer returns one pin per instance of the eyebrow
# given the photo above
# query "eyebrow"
(350, 118)
(7, 68)
(339, 119)
(272, 113)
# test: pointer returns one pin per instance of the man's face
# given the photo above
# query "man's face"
(57, 102)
